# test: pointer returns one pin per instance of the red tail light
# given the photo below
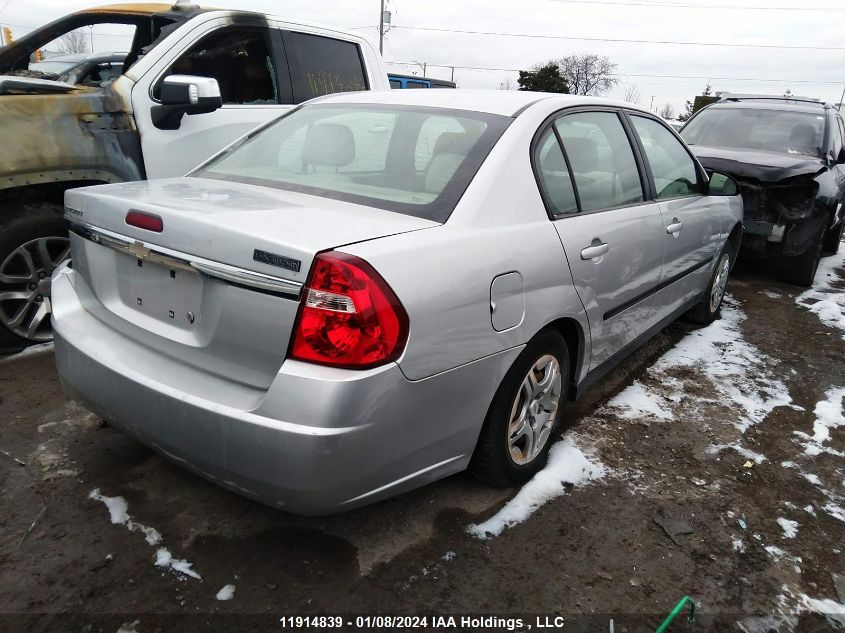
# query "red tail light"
(146, 221)
(349, 316)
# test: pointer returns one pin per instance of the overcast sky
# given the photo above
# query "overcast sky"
(795, 23)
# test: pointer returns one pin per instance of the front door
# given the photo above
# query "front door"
(245, 61)
(691, 225)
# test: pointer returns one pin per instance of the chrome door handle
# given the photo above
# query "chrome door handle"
(675, 227)
(594, 251)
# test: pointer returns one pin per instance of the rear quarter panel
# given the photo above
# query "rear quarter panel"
(443, 275)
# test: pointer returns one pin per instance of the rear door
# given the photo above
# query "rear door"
(612, 235)
(691, 221)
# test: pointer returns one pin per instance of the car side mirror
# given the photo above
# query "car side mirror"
(841, 158)
(185, 94)
(722, 185)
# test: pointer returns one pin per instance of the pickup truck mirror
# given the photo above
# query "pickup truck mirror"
(722, 185)
(185, 94)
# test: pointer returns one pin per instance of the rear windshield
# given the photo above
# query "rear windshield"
(416, 161)
(768, 130)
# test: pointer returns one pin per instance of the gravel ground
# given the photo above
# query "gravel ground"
(709, 476)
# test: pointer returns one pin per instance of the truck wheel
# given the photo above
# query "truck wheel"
(707, 309)
(801, 270)
(524, 415)
(832, 239)
(33, 241)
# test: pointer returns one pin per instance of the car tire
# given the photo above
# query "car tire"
(710, 305)
(801, 270)
(833, 238)
(33, 241)
(524, 415)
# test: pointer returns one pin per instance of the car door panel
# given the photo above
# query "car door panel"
(611, 236)
(175, 152)
(691, 222)
(616, 287)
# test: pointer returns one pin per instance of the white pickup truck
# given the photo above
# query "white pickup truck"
(193, 81)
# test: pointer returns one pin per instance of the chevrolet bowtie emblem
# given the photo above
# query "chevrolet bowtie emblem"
(139, 250)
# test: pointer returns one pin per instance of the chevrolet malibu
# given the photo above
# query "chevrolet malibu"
(378, 290)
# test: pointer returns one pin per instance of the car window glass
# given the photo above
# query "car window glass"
(239, 59)
(837, 138)
(554, 176)
(395, 84)
(366, 154)
(432, 132)
(672, 168)
(323, 65)
(841, 130)
(770, 130)
(601, 159)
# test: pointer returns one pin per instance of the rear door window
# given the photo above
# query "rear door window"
(554, 176)
(602, 160)
(672, 168)
(323, 65)
(241, 61)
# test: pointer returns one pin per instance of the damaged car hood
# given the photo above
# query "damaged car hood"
(12, 85)
(756, 164)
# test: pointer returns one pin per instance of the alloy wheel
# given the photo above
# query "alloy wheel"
(720, 282)
(534, 410)
(25, 274)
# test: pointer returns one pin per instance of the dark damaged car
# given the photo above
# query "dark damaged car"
(193, 80)
(788, 158)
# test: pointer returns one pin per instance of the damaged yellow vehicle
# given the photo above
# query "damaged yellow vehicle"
(193, 81)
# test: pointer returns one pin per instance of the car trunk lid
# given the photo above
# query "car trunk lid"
(218, 287)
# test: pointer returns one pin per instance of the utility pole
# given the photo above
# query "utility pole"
(381, 29)
(841, 100)
(453, 73)
(651, 107)
(91, 26)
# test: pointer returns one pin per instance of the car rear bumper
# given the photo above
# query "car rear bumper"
(319, 440)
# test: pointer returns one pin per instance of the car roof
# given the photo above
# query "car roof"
(501, 102)
(812, 108)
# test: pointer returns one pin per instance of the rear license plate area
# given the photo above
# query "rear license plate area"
(168, 294)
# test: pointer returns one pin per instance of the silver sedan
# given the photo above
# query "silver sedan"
(380, 289)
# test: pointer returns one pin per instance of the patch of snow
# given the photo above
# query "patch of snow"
(739, 545)
(837, 512)
(788, 464)
(790, 528)
(772, 295)
(119, 515)
(165, 559)
(828, 414)
(636, 401)
(740, 372)
(715, 449)
(567, 464)
(774, 551)
(813, 479)
(226, 593)
(830, 608)
(810, 510)
(825, 299)
(32, 350)
(450, 555)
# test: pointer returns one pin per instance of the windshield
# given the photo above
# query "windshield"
(782, 131)
(57, 68)
(417, 161)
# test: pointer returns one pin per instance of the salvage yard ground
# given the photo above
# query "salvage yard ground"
(711, 463)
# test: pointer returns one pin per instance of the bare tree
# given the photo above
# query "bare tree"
(73, 42)
(667, 111)
(632, 93)
(507, 84)
(587, 73)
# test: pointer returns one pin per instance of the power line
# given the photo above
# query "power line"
(662, 5)
(705, 77)
(620, 40)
